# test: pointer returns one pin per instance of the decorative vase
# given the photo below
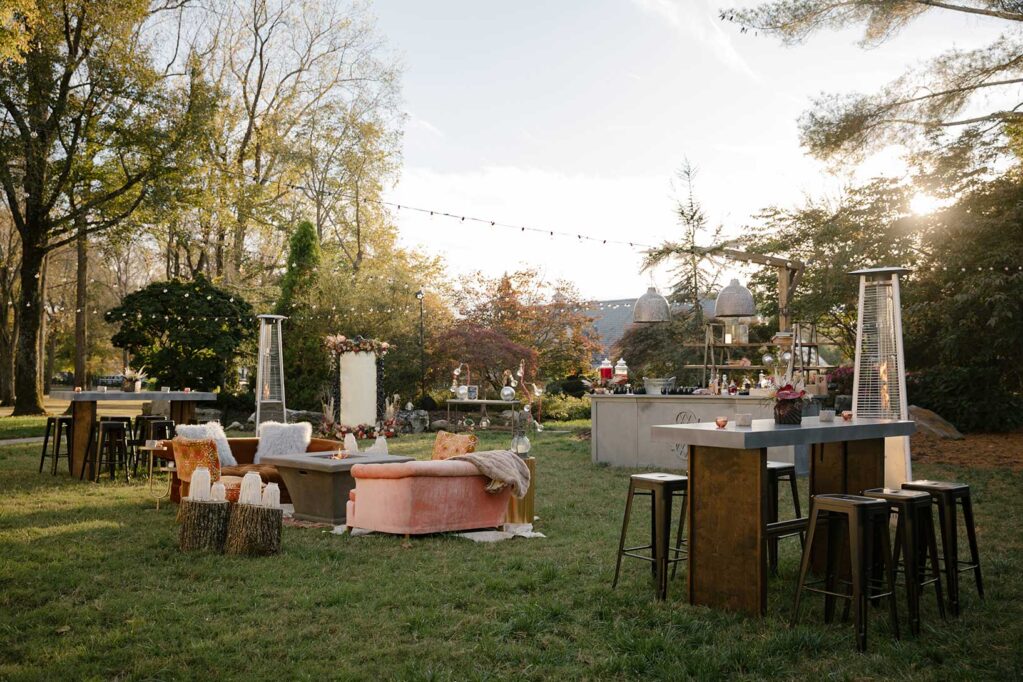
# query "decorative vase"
(128, 386)
(788, 412)
(508, 393)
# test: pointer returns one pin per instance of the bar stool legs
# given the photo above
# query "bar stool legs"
(58, 429)
(867, 522)
(947, 496)
(777, 472)
(661, 488)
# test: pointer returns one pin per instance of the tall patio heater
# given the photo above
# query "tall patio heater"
(879, 382)
(270, 372)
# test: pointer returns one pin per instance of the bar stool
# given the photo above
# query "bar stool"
(866, 521)
(915, 539)
(108, 445)
(141, 432)
(661, 488)
(162, 429)
(57, 427)
(947, 495)
(776, 472)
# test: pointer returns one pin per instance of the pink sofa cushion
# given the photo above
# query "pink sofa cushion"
(439, 467)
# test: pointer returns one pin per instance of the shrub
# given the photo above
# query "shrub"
(972, 398)
(565, 407)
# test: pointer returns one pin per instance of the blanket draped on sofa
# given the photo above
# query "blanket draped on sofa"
(502, 467)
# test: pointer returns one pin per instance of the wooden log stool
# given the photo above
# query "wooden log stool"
(661, 488)
(108, 445)
(916, 541)
(777, 472)
(60, 429)
(866, 524)
(203, 525)
(948, 496)
(254, 531)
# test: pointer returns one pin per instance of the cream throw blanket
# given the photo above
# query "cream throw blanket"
(502, 467)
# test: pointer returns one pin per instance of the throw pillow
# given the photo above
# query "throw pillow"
(451, 444)
(214, 431)
(190, 454)
(277, 440)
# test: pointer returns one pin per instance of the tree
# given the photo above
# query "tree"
(487, 352)
(303, 261)
(531, 312)
(868, 225)
(954, 91)
(17, 19)
(184, 333)
(86, 76)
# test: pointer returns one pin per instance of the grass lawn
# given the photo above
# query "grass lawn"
(92, 586)
(22, 427)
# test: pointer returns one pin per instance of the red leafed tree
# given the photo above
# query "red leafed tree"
(487, 353)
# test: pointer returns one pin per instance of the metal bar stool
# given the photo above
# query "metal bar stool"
(916, 541)
(57, 427)
(108, 445)
(947, 496)
(776, 472)
(866, 521)
(141, 432)
(661, 488)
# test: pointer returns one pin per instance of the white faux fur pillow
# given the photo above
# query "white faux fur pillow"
(277, 440)
(210, 430)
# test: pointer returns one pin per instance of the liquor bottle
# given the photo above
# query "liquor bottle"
(732, 388)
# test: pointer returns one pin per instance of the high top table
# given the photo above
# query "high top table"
(727, 518)
(83, 408)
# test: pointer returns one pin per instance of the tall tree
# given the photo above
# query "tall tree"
(87, 75)
(951, 92)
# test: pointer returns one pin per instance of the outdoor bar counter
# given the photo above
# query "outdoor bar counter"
(83, 407)
(727, 517)
(621, 427)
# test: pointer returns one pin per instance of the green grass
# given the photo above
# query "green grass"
(92, 586)
(22, 427)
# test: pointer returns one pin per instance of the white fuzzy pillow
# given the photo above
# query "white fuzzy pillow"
(210, 430)
(278, 440)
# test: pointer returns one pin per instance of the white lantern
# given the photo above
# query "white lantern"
(199, 487)
(252, 490)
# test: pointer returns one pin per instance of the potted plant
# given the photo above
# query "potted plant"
(788, 405)
(133, 379)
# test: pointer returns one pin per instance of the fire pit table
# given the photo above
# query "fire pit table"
(319, 485)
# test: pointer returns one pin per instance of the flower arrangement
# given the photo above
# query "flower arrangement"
(788, 405)
(842, 379)
(133, 378)
(339, 343)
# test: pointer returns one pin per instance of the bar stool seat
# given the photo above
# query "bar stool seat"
(949, 495)
(662, 489)
(866, 520)
(915, 539)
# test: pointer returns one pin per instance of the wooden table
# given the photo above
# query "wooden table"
(727, 518)
(482, 403)
(83, 408)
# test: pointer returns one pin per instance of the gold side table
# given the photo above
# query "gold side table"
(169, 470)
(523, 511)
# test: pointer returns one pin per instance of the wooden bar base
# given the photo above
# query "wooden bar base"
(727, 519)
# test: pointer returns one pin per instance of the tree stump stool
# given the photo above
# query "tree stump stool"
(254, 531)
(203, 525)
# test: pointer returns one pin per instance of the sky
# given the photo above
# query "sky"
(575, 116)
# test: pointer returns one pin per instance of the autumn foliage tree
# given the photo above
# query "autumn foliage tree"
(533, 313)
(486, 351)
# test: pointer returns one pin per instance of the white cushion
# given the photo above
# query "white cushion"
(210, 430)
(278, 440)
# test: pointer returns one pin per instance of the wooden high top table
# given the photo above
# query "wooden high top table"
(727, 518)
(83, 408)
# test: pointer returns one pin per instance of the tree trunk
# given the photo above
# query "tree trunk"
(28, 399)
(254, 531)
(44, 326)
(81, 305)
(203, 525)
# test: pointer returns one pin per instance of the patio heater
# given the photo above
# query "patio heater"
(270, 372)
(879, 382)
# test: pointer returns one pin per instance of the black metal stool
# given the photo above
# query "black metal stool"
(661, 488)
(947, 495)
(108, 445)
(57, 428)
(915, 540)
(161, 430)
(866, 521)
(776, 472)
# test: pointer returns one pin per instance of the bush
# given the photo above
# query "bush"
(561, 408)
(972, 398)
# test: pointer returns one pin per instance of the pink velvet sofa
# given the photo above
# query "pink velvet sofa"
(414, 498)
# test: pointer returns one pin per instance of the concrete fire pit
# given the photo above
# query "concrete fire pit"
(319, 485)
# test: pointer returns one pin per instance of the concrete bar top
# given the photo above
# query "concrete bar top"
(765, 433)
(92, 396)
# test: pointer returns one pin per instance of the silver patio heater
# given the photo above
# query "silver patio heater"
(270, 372)
(879, 382)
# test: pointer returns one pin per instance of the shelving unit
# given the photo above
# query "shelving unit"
(717, 354)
